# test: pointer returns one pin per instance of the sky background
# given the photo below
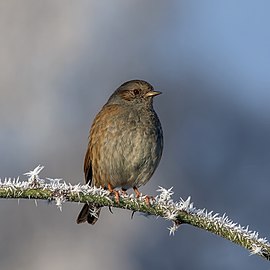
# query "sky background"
(61, 60)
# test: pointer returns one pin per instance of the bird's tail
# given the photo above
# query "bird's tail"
(89, 213)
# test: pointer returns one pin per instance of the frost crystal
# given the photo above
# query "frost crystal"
(165, 194)
(172, 229)
(33, 175)
(255, 250)
(94, 211)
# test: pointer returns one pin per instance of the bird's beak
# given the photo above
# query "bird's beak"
(152, 93)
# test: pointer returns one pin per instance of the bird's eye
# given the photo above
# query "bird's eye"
(136, 92)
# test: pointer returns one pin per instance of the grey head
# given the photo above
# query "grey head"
(134, 93)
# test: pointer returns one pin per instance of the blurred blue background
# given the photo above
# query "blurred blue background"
(60, 61)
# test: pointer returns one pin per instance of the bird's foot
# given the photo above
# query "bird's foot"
(147, 198)
(137, 192)
(115, 192)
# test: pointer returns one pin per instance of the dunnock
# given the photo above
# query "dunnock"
(125, 143)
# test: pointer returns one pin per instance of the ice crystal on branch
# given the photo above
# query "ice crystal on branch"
(34, 175)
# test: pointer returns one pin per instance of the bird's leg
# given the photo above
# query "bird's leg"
(138, 194)
(110, 208)
(115, 192)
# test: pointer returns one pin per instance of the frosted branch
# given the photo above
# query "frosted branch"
(182, 212)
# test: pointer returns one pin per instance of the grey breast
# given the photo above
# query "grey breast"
(136, 143)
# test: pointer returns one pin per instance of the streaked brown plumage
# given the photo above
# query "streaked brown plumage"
(125, 143)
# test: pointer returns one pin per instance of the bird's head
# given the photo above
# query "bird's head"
(135, 92)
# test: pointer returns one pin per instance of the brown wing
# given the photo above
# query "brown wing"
(100, 126)
(88, 166)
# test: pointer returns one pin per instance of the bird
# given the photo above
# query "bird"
(125, 143)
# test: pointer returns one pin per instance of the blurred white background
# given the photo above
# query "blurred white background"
(60, 61)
